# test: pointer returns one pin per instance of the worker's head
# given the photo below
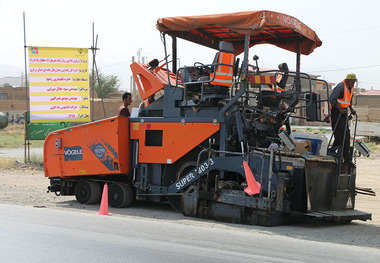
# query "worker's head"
(127, 98)
(351, 79)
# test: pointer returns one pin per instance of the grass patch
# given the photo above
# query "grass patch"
(323, 130)
(14, 136)
(372, 146)
(319, 130)
(37, 160)
(8, 163)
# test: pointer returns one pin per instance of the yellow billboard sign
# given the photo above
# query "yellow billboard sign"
(59, 84)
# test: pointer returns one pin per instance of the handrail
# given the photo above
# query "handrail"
(201, 82)
(201, 66)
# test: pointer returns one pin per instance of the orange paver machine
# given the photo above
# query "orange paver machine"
(216, 142)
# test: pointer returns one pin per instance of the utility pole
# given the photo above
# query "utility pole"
(133, 82)
(140, 59)
(139, 54)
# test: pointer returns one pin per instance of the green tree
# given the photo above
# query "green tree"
(108, 84)
(6, 85)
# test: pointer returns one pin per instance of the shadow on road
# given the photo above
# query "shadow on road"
(356, 233)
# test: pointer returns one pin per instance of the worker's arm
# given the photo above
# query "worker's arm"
(353, 111)
(336, 94)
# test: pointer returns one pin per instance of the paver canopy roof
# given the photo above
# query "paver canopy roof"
(263, 27)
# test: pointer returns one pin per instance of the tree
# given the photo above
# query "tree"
(108, 84)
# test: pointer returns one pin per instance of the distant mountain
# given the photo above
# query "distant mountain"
(11, 75)
(8, 70)
(13, 81)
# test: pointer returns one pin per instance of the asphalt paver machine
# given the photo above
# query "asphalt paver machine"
(217, 143)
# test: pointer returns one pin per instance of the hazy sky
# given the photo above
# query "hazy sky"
(349, 30)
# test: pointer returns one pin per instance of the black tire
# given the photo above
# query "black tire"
(120, 195)
(174, 172)
(184, 168)
(88, 192)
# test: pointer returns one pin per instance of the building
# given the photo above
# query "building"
(367, 105)
(14, 103)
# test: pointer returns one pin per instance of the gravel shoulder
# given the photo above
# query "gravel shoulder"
(27, 186)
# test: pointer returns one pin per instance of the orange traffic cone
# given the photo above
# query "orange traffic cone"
(104, 203)
(253, 186)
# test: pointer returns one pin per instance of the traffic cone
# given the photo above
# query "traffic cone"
(104, 203)
(253, 186)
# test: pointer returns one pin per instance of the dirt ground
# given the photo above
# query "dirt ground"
(27, 186)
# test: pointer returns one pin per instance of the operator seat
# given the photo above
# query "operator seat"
(282, 78)
(271, 98)
(221, 77)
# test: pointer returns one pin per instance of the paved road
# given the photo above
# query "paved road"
(43, 235)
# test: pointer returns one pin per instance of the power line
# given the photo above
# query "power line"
(369, 82)
(115, 64)
(350, 31)
(373, 66)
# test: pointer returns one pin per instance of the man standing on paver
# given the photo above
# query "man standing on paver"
(340, 100)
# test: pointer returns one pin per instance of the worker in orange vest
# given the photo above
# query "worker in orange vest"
(278, 88)
(340, 100)
(146, 102)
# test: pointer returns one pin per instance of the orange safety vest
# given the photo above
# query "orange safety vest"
(347, 96)
(145, 104)
(278, 79)
(223, 74)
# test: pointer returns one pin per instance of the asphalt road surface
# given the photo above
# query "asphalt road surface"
(30, 234)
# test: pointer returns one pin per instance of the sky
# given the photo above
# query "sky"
(349, 30)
